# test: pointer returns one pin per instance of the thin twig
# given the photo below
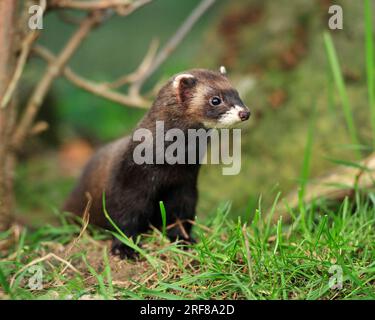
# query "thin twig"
(97, 4)
(141, 70)
(173, 42)
(69, 19)
(182, 229)
(38, 128)
(98, 89)
(194, 223)
(46, 257)
(25, 50)
(51, 73)
(85, 223)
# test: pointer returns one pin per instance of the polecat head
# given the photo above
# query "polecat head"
(206, 97)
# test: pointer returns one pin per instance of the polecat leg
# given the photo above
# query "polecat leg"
(132, 220)
(180, 207)
(122, 250)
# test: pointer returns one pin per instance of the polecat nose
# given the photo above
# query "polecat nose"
(244, 115)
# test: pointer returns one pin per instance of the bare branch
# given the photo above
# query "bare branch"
(96, 88)
(25, 50)
(51, 73)
(173, 42)
(38, 128)
(141, 70)
(57, 65)
(132, 100)
(69, 19)
(127, 5)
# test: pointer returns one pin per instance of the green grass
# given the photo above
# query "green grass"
(369, 49)
(232, 259)
(341, 88)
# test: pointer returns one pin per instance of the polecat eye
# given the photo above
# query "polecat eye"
(215, 101)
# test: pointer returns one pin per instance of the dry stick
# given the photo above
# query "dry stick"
(38, 260)
(172, 225)
(194, 223)
(26, 46)
(52, 72)
(182, 229)
(98, 89)
(173, 42)
(98, 4)
(336, 185)
(85, 220)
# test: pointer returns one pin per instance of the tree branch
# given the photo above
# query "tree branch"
(98, 89)
(141, 70)
(57, 65)
(127, 5)
(172, 43)
(51, 73)
(25, 50)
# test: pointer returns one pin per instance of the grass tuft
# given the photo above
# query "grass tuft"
(231, 260)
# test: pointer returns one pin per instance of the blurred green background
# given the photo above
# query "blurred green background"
(274, 53)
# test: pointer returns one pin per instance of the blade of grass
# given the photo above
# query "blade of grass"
(21, 244)
(99, 278)
(347, 163)
(163, 217)
(305, 171)
(369, 49)
(278, 236)
(4, 283)
(107, 272)
(340, 84)
(269, 218)
(320, 230)
(122, 237)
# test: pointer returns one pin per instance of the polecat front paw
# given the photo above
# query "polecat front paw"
(184, 243)
(122, 250)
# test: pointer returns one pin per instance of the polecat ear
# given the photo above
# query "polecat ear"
(183, 83)
(223, 70)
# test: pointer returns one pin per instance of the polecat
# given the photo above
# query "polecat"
(195, 99)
